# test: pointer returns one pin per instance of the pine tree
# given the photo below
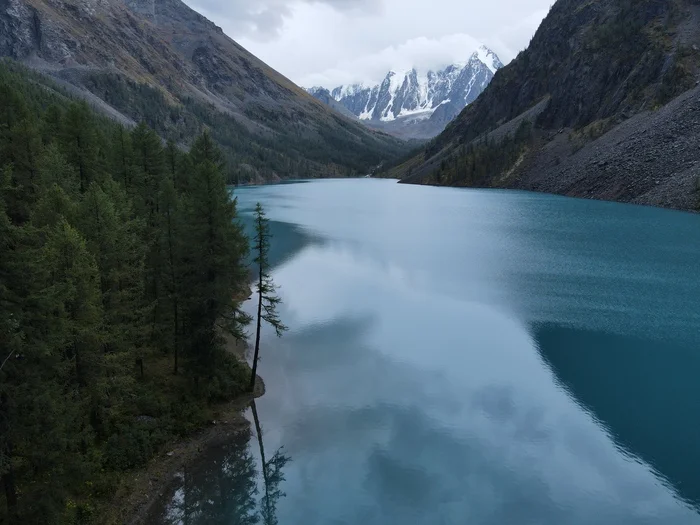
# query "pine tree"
(42, 408)
(75, 292)
(114, 239)
(172, 159)
(149, 166)
(122, 158)
(111, 247)
(54, 204)
(79, 140)
(149, 171)
(171, 244)
(10, 339)
(205, 150)
(268, 300)
(214, 276)
(54, 168)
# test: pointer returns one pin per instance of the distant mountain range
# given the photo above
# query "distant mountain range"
(414, 104)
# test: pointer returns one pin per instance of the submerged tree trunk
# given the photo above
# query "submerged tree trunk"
(258, 431)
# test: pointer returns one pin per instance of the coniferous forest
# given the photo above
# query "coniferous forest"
(122, 266)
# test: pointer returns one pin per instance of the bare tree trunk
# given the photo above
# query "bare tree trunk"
(176, 342)
(257, 336)
(171, 257)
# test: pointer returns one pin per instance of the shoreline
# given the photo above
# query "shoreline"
(139, 490)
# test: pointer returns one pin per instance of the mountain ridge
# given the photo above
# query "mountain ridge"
(404, 103)
(161, 62)
(583, 110)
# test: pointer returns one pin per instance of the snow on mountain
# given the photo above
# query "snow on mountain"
(413, 97)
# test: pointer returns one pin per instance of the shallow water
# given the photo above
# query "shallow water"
(462, 356)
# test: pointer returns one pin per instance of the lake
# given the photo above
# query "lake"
(467, 356)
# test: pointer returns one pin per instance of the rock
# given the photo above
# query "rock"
(170, 454)
(96, 48)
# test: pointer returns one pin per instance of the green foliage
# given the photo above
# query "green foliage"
(103, 287)
(268, 300)
(482, 162)
(133, 445)
(215, 274)
(266, 287)
(289, 150)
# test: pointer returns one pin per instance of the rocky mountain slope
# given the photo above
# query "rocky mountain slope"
(160, 61)
(416, 105)
(602, 104)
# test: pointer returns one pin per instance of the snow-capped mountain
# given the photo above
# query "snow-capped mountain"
(414, 104)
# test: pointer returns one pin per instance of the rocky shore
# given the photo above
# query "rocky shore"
(140, 490)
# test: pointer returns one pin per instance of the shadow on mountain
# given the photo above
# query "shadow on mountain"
(647, 394)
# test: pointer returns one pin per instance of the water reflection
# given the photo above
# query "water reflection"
(225, 485)
(649, 401)
(410, 388)
(289, 240)
(272, 475)
(220, 489)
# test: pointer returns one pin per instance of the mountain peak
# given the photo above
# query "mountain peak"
(489, 58)
(413, 96)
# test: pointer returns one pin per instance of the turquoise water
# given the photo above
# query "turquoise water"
(459, 356)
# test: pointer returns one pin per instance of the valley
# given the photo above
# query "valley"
(436, 259)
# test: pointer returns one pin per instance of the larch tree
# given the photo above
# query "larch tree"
(149, 171)
(171, 245)
(214, 275)
(268, 300)
(99, 227)
(79, 139)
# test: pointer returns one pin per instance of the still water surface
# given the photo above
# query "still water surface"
(467, 357)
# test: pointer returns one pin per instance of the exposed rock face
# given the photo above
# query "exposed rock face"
(168, 46)
(142, 7)
(590, 67)
(20, 29)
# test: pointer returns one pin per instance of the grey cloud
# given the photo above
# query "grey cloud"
(331, 42)
(263, 20)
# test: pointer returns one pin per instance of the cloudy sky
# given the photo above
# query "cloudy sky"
(333, 42)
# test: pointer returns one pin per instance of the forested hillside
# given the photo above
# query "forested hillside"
(121, 269)
(160, 62)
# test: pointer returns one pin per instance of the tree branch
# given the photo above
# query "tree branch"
(7, 359)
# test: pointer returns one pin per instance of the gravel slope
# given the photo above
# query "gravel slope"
(653, 158)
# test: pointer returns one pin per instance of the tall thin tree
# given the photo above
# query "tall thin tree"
(268, 300)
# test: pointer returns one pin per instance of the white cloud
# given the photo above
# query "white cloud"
(422, 53)
(332, 42)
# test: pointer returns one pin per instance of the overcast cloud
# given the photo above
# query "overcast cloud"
(333, 42)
